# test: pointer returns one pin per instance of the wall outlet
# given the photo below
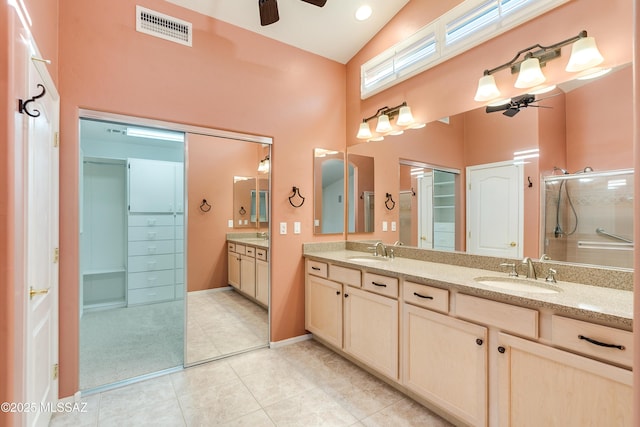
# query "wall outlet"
(393, 226)
(230, 223)
(385, 226)
(283, 228)
(296, 227)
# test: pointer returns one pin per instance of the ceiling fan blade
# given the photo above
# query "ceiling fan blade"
(268, 12)
(318, 3)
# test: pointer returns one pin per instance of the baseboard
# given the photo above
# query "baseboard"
(289, 341)
(209, 291)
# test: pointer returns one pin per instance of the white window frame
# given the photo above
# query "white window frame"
(506, 20)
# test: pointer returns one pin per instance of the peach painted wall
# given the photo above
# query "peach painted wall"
(636, 215)
(212, 164)
(599, 117)
(230, 79)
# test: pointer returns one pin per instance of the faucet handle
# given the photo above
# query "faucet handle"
(390, 253)
(513, 272)
(551, 276)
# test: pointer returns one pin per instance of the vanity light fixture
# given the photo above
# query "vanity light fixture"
(264, 165)
(528, 62)
(384, 116)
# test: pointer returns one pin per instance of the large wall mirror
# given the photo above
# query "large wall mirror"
(578, 131)
(361, 176)
(328, 191)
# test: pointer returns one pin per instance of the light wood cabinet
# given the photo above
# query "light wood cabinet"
(233, 276)
(262, 281)
(544, 386)
(323, 309)
(445, 361)
(248, 275)
(371, 329)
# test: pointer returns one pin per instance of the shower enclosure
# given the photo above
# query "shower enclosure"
(588, 217)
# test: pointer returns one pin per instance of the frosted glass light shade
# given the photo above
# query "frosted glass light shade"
(405, 118)
(584, 54)
(383, 124)
(530, 74)
(487, 89)
(364, 132)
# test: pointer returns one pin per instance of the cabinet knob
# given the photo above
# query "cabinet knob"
(337, 292)
(479, 341)
(346, 295)
(501, 349)
(513, 244)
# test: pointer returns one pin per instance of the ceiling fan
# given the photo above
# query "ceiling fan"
(513, 107)
(269, 10)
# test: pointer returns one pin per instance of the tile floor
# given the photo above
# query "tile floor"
(302, 384)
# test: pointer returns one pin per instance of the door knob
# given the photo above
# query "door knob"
(33, 292)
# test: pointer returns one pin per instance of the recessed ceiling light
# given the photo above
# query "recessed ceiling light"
(364, 12)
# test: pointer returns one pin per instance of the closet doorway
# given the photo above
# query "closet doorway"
(131, 251)
(164, 210)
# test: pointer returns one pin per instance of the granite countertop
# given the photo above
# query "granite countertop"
(594, 303)
(257, 242)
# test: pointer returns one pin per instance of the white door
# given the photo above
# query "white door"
(494, 210)
(425, 211)
(41, 253)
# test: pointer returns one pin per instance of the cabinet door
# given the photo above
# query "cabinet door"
(545, 386)
(371, 330)
(262, 281)
(233, 274)
(445, 361)
(151, 186)
(323, 309)
(248, 275)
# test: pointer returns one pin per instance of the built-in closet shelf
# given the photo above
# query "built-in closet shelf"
(104, 271)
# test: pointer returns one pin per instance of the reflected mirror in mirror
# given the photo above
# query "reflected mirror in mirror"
(227, 247)
(579, 130)
(427, 206)
(244, 202)
(361, 193)
(328, 191)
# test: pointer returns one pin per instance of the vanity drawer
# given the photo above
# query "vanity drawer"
(510, 318)
(566, 333)
(261, 254)
(231, 247)
(150, 220)
(426, 296)
(250, 251)
(382, 285)
(240, 249)
(348, 276)
(317, 268)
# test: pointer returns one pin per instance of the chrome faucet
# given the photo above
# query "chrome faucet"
(382, 251)
(531, 271)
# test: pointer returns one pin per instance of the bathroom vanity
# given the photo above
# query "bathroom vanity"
(248, 267)
(471, 345)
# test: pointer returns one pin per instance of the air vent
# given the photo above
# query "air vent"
(163, 26)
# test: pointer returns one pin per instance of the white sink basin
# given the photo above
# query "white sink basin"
(368, 258)
(520, 285)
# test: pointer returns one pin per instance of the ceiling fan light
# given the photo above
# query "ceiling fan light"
(530, 74)
(592, 73)
(383, 124)
(405, 118)
(542, 89)
(499, 102)
(487, 89)
(364, 132)
(396, 132)
(584, 55)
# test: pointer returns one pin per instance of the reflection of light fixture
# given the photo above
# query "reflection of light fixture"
(584, 55)
(264, 165)
(384, 116)
(155, 134)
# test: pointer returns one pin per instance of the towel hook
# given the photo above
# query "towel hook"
(242, 210)
(204, 206)
(24, 104)
(296, 192)
(389, 201)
